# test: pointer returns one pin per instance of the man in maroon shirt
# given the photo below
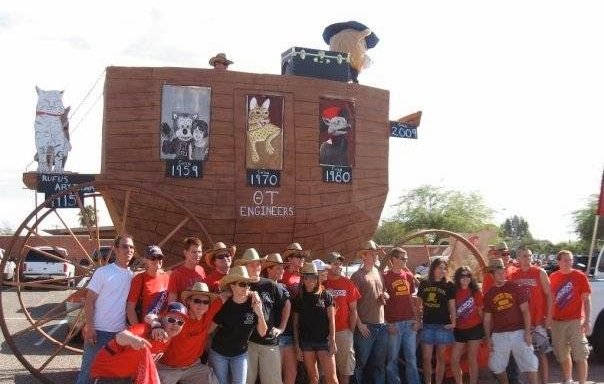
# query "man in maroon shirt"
(507, 316)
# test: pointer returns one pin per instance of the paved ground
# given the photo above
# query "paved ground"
(62, 369)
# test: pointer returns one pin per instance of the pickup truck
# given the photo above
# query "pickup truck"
(38, 266)
(597, 306)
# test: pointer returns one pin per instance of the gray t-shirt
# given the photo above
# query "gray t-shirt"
(371, 286)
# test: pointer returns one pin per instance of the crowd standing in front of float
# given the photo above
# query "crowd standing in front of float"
(283, 318)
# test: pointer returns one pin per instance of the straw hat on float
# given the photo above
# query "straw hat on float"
(250, 255)
(295, 249)
(309, 269)
(271, 260)
(198, 288)
(235, 275)
(218, 248)
(220, 58)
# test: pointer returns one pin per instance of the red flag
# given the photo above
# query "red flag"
(601, 204)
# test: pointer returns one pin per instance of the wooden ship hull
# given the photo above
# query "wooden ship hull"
(323, 217)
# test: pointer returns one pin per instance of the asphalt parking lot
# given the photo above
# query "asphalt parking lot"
(37, 349)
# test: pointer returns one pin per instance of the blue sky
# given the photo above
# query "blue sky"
(511, 91)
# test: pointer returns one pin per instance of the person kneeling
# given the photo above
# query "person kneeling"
(130, 357)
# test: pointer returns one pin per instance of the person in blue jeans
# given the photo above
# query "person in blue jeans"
(401, 317)
(371, 335)
(234, 324)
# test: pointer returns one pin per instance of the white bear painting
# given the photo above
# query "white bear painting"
(51, 132)
(185, 123)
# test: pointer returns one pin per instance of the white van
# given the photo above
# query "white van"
(38, 266)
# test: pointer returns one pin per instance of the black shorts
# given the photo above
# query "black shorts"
(314, 346)
(465, 335)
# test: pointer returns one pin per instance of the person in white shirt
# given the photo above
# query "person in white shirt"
(105, 307)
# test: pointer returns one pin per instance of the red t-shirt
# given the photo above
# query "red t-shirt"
(489, 281)
(116, 360)
(400, 287)
(567, 290)
(467, 305)
(188, 346)
(213, 280)
(504, 305)
(531, 281)
(344, 292)
(183, 278)
(153, 291)
(291, 282)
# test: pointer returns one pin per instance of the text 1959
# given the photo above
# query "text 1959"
(339, 175)
(184, 169)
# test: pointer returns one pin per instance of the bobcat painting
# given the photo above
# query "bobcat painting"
(51, 131)
(260, 129)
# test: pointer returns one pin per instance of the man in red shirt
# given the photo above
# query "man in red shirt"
(131, 355)
(536, 283)
(148, 289)
(572, 306)
(401, 317)
(180, 362)
(190, 272)
(501, 251)
(220, 257)
(345, 295)
(507, 316)
(294, 256)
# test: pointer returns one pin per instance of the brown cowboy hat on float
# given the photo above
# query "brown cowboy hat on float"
(220, 58)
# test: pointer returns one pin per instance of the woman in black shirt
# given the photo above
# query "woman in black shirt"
(235, 322)
(437, 296)
(314, 326)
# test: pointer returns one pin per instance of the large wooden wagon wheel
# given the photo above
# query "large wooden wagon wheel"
(460, 249)
(42, 331)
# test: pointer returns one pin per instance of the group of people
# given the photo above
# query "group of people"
(256, 317)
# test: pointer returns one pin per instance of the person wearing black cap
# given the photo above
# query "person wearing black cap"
(148, 290)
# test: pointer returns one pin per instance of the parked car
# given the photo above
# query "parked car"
(9, 268)
(38, 266)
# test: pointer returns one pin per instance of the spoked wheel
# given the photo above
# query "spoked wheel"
(42, 312)
(459, 250)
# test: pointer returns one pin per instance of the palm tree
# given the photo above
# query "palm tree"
(87, 216)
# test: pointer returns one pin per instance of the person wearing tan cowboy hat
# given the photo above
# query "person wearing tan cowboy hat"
(371, 336)
(190, 272)
(314, 326)
(181, 362)
(345, 295)
(273, 268)
(500, 251)
(240, 315)
(148, 290)
(322, 268)
(220, 258)
(220, 61)
(264, 357)
(507, 325)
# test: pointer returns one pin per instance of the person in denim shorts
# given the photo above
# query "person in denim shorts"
(437, 296)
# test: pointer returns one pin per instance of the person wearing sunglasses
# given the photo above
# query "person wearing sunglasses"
(469, 331)
(234, 323)
(121, 359)
(148, 290)
(314, 327)
(219, 258)
(105, 306)
(181, 361)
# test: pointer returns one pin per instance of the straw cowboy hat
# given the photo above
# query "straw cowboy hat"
(293, 249)
(249, 256)
(369, 246)
(332, 257)
(236, 274)
(309, 269)
(219, 247)
(220, 58)
(198, 288)
(496, 264)
(502, 247)
(271, 260)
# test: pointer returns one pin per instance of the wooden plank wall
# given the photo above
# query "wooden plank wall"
(327, 216)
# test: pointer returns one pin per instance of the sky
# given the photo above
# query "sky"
(511, 92)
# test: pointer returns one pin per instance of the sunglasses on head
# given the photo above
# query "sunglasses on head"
(201, 301)
(222, 256)
(242, 284)
(173, 320)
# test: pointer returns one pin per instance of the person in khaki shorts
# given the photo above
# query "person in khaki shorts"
(572, 306)
(345, 295)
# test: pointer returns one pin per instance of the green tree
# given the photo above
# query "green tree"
(430, 207)
(87, 216)
(515, 230)
(584, 220)
(6, 229)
